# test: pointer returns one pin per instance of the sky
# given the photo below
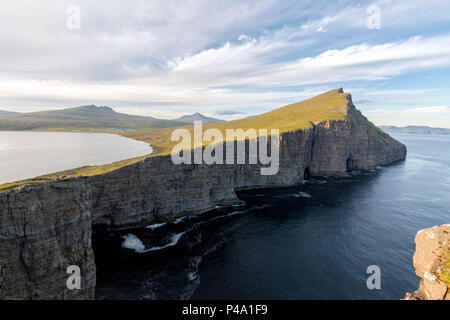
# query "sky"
(227, 58)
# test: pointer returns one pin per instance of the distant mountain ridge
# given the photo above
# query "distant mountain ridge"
(415, 130)
(84, 118)
(7, 112)
(190, 118)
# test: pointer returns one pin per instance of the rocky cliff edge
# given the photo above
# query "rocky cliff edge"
(432, 263)
(46, 227)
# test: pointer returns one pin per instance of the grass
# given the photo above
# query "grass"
(446, 272)
(332, 105)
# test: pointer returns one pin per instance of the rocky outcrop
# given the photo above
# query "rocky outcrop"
(44, 228)
(432, 263)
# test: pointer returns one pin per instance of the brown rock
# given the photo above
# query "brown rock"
(432, 262)
(434, 289)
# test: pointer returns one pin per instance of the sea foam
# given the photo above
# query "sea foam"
(155, 226)
(134, 243)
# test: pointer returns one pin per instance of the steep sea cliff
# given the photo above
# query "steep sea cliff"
(46, 227)
(432, 264)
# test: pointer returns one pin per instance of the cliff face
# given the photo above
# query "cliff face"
(432, 263)
(43, 230)
(46, 227)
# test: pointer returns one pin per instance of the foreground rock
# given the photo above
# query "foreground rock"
(432, 263)
(44, 228)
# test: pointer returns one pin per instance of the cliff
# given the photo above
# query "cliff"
(432, 263)
(46, 227)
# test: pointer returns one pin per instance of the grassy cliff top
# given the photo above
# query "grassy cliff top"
(331, 105)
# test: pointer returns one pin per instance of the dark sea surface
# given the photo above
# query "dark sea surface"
(311, 241)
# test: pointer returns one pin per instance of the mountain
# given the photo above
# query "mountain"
(415, 130)
(85, 118)
(7, 112)
(331, 105)
(190, 118)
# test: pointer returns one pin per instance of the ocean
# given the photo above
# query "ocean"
(311, 241)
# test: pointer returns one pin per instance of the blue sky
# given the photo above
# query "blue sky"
(169, 58)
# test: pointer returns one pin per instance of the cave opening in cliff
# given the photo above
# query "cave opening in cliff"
(307, 174)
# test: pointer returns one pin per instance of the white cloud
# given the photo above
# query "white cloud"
(161, 57)
(196, 79)
(439, 109)
(246, 64)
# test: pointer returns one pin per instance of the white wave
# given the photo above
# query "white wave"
(155, 226)
(179, 220)
(295, 195)
(233, 214)
(159, 225)
(239, 204)
(304, 195)
(173, 241)
(192, 276)
(314, 181)
(132, 242)
(220, 217)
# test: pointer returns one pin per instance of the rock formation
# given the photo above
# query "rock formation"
(46, 227)
(432, 263)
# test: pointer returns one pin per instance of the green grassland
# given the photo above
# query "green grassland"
(332, 105)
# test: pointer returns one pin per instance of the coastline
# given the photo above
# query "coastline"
(48, 226)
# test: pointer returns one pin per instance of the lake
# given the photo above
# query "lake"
(311, 241)
(25, 155)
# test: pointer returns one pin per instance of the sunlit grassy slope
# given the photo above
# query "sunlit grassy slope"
(332, 105)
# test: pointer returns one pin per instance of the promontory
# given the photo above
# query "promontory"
(46, 223)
